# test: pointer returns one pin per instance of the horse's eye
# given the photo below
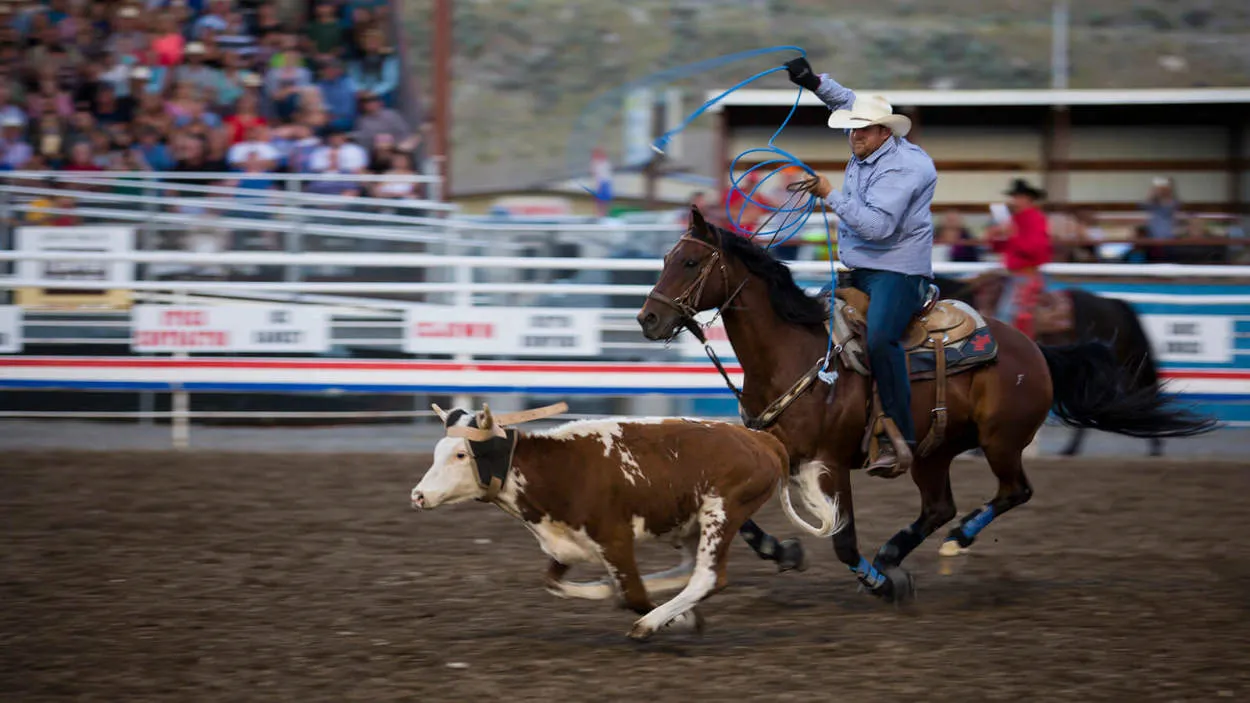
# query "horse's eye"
(461, 455)
(691, 263)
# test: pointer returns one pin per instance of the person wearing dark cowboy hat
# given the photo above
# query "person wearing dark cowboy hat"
(1025, 246)
(885, 235)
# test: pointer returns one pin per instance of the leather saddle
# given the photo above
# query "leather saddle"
(947, 321)
(945, 337)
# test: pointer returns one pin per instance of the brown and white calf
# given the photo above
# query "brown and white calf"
(589, 489)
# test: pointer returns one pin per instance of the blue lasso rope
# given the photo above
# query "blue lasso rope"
(793, 218)
(609, 100)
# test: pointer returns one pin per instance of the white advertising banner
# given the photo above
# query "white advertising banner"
(1190, 338)
(230, 328)
(91, 239)
(10, 329)
(501, 331)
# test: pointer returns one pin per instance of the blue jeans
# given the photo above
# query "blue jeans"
(895, 299)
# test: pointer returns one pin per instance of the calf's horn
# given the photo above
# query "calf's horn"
(486, 422)
(442, 414)
(542, 413)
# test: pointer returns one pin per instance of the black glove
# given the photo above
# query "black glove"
(801, 74)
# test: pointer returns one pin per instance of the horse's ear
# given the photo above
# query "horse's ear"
(699, 226)
(697, 223)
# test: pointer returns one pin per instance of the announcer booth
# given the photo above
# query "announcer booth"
(1097, 150)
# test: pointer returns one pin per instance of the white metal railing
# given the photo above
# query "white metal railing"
(403, 260)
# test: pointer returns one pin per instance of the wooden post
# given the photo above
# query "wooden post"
(1236, 166)
(651, 172)
(1056, 141)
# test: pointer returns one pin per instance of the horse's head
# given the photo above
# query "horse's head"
(695, 278)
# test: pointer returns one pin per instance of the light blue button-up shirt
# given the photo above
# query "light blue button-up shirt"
(885, 222)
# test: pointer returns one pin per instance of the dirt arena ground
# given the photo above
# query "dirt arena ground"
(235, 577)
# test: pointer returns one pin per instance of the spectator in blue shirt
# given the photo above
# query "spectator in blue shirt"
(377, 70)
(155, 153)
(338, 92)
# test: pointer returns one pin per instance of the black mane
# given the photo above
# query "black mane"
(789, 301)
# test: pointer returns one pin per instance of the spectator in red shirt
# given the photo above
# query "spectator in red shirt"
(246, 116)
(80, 158)
(1025, 246)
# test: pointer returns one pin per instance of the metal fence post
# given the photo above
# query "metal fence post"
(463, 298)
(295, 238)
(180, 420)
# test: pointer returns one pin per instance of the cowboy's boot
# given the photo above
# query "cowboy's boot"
(890, 462)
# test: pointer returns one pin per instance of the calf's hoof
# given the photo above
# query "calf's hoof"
(790, 556)
(690, 621)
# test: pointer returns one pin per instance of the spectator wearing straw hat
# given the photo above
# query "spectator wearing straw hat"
(195, 71)
(126, 34)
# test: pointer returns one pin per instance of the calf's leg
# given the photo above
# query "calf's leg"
(715, 534)
(618, 557)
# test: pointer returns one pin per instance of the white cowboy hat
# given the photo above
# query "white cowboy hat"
(870, 110)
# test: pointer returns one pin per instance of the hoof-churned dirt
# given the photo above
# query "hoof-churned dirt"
(234, 577)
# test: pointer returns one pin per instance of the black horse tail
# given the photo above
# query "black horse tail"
(1093, 391)
(1147, 372)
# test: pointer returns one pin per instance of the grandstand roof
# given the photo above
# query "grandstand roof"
(1005, 98)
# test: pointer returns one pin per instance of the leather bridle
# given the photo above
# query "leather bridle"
(685, 302)
(684, 305)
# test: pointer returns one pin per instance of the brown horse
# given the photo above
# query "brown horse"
(778, 332)
(1067, 317)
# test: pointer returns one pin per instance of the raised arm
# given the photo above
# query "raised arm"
(833, 94)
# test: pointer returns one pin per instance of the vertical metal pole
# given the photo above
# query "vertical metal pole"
(463, 299)
(295, 238)
(652, 169)
(1059, 45)
(180, 401)
(442, 44)
(180, 423)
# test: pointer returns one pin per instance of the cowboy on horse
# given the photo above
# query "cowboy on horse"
(885, 236)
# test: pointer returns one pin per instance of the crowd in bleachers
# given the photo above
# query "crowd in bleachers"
(206, 85)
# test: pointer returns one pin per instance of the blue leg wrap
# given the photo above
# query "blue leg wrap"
(975, 523)
(868, 574)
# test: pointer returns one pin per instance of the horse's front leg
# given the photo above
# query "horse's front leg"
(837, 483)
(937, 507)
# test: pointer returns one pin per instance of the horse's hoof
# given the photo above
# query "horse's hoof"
(902, 587)
(791, 556)
(898, 586)
(951, 548)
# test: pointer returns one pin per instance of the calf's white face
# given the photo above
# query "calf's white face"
(450, 479)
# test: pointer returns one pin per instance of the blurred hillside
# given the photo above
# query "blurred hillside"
(525, 69)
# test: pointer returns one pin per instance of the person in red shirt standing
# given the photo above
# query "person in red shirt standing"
(1025, 246)
(748, 213)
